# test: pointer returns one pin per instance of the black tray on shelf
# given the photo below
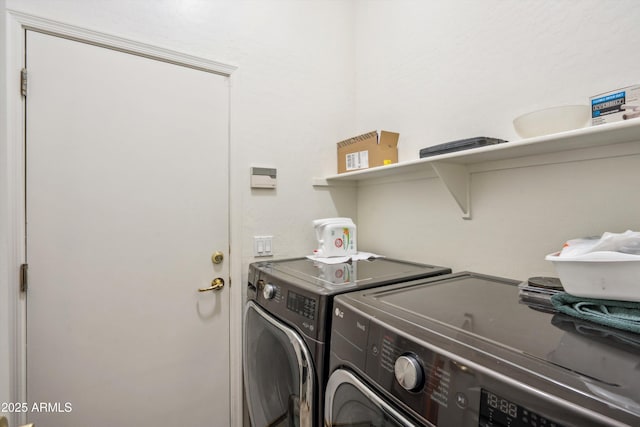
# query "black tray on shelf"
(459, 145)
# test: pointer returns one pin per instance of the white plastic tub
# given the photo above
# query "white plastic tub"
(604, 275)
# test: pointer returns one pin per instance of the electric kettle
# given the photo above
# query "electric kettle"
(336, 237)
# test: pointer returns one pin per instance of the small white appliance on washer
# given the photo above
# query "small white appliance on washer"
(336, 237)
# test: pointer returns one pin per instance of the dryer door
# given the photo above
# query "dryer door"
(349, 402)
(278, 372)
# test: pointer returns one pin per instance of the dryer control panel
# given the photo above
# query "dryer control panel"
(293, 305)
(436, 378)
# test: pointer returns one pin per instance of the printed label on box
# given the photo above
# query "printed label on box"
(617, 105)
(359, 160)
(607, 104)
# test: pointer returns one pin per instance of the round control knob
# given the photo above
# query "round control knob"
(269, 291)
(409, 372)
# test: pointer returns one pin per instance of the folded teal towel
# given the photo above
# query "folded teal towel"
(623, 315)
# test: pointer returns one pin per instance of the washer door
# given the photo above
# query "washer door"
(278, 372)
(349, 402)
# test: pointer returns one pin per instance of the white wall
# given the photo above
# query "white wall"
(441, 71)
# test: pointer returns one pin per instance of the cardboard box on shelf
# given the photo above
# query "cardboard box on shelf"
(615, 106)
(367, 151)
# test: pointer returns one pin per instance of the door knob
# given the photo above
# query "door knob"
(216, 285)
(217, 257)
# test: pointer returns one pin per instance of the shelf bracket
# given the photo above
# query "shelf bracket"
(456, 178)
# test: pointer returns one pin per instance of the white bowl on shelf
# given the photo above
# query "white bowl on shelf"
(552, 120)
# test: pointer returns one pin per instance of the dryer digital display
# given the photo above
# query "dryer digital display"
(498, 411)
(302, 305)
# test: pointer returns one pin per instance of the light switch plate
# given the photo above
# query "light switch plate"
(262, 246)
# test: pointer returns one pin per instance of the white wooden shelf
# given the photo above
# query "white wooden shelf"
(603, 141)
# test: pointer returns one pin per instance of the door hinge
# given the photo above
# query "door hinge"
(24, 283)
(23, 82)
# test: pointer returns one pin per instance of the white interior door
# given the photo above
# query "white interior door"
(127, 200)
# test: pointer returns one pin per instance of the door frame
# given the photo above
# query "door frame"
(12, 193)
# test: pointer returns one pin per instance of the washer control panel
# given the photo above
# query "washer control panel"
(289, 303)
(302, 305)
